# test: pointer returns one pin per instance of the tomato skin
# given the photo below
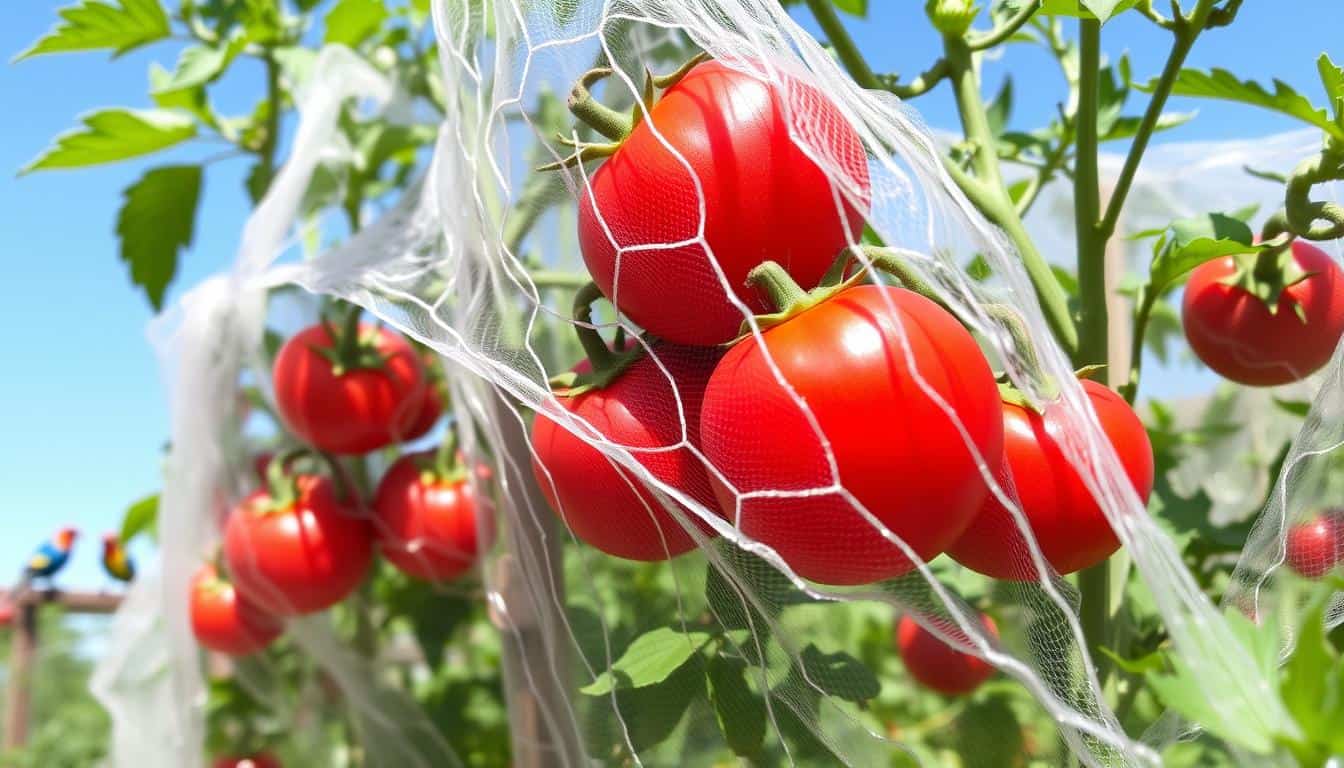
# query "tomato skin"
(224, 621)
(1068, 524)
(897, 451)
(301, 559)
(608, 507)
(429, 528)
(361, 410)
(937, 665)
(259, 760)
(764, 198)
(1234, 333)
(6, 613)
(426, 416)
(1315, 547)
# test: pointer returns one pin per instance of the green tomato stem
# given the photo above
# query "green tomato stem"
(779, 287)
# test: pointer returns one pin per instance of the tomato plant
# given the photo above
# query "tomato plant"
(851, 359)
(296, 548)
(430, 523)
(1065, 519)
(935, 664)
(224, 621)
(1263, 341)
(763, 198)
(351, 392)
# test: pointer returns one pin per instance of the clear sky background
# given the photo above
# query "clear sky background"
(82, 409)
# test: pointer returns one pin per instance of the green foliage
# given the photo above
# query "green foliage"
(1219, 83)
(94, 25)
(140, 518)
(110, 135)
(155, 223)
(649, 660)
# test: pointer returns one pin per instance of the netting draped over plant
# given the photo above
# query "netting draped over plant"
(779, 497)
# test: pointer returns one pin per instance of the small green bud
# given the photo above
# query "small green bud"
(952, 17)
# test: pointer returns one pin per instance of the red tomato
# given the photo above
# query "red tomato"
(430, 528)
(225, 622)
(764, 198)
(1067, 522)
(259, 760)
(1314, 548)
(937, 665)
(300, 559)
(6, 612)
(360, 410)
(1234, 333)
(426, 416)
(608, 507)
(897, 451)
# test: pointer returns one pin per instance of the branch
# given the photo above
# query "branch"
(920, 85)
(843, 44)
(1007, 30)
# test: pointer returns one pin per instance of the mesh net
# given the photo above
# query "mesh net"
(748, 521)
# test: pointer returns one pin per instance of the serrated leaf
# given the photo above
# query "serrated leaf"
(198, 65)
(1194, 241)
(351, 22)
(649, 660)
(739, 711)
(140, 517)
(155, 222)
(110, 135)
(91, 25)
(1221, 84)
(191, 99)
(1332, 79)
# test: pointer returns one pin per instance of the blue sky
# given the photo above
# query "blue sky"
(85, 416)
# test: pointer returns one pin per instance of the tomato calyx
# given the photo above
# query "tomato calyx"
(445, 465)
(1267, 273)
(610, 123)
(607, 363)
(282, 483)
(351, 348)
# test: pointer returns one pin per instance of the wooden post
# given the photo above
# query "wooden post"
(531, 582)
(23, 651)
(18, 691)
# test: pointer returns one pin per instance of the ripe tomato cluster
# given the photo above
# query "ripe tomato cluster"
(305, 539)
(855, 433)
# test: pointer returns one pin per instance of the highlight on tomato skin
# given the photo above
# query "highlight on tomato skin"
(1234, 332)
(1066, 521)
(609, 507)
(938, 666)
(846, 359)
(1313, 548)
(763, 198)
(257, 760)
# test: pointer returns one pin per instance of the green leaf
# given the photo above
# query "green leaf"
(978, 269)
(351, 22)
(1222, 84)
(1306, 684)
(740, 712)
(199, 64)
(649, 660)
(190, 99)
(1087, 9)
(839, 674)
(1151, 662)
(155, 222)
(110, 135)
(433, 615)
(1127, 127)
(140, 517)
(91, 25)
(1193, 242)
(988, 734)
(1332, 79)
(1298, 408)
(641, 717)
(998, 111)
(853, 7)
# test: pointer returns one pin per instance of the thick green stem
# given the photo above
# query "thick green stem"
(1094, 582)
(1144, 310)
(781, 289)
(1008, 29)
(599, 355)
(598, 116)
(272, 141)
(987, 192)
(845, 49)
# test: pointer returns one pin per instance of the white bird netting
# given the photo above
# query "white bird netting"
(807, 480)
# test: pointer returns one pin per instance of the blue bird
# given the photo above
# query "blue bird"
(51, 557)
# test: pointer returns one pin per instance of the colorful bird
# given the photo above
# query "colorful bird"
(52, 556)
(116, 561)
